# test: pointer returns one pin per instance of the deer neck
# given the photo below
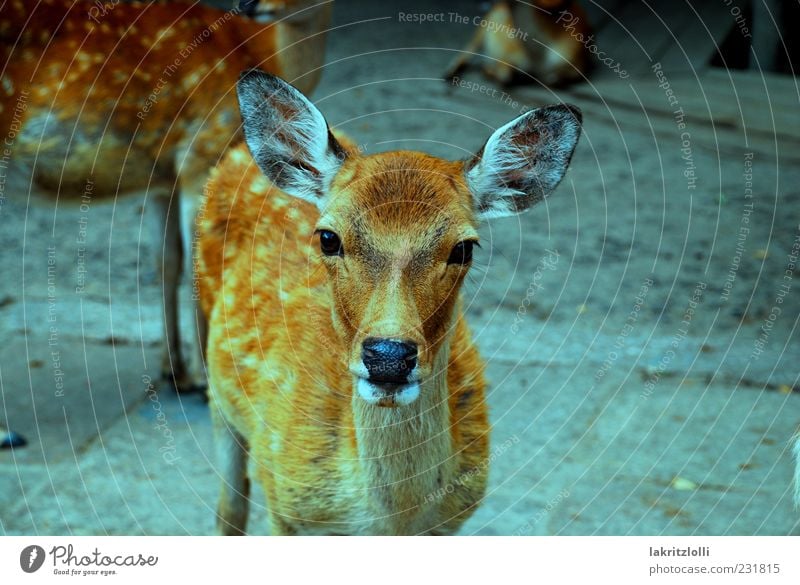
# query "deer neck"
(295, 46)
(403, 451)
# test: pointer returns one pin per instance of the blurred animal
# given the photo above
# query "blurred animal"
(339, 358)
(797, 472)
(545, 39)
(101, 99)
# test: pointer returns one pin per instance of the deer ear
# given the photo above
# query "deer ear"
(523, 161)
(288, 136)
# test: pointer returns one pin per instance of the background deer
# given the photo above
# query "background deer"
(543, 39)
(129, 97)
(338, 355)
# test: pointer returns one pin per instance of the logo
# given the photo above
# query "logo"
(31, 558)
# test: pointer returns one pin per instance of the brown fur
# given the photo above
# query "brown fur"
(549, 53)
(278, 360)
(341, 361)
(93, 79)
(140, 97)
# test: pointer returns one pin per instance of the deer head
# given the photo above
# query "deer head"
(397, 230)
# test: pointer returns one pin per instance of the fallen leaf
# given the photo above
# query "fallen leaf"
(683, 485)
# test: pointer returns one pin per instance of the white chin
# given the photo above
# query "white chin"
(380, 396)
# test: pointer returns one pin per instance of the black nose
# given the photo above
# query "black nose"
(388, 361)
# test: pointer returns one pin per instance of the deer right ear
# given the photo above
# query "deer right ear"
(523, 161)
(288, 136)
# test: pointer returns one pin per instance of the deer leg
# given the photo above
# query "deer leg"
(232, 453)
(170, 266)
(461, 62)
(199, 333)
(199, 379)
(501, 72)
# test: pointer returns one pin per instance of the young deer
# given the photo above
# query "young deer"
(100, 99)
(543, 39)
(338, 354)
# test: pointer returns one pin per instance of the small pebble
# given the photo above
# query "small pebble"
(684, 485)
(11, 440)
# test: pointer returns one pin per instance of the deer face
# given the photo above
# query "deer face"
(396, 237)
(397, 230)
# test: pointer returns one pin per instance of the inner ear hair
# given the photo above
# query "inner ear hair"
(523, 161)
(288, 136)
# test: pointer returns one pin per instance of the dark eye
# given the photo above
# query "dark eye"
(330, 244)
(462, 253)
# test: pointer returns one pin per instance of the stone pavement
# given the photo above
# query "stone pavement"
(627, 392)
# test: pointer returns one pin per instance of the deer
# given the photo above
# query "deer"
(106, 99)
(547, 40)
(340, 363)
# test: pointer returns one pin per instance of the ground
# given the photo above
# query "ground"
(639, 326)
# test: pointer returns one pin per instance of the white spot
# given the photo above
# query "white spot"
(238, 156)
(373, 394)
(259, 184)
(275, 444)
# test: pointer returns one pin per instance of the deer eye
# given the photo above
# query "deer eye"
(330, 244)
(462, 253)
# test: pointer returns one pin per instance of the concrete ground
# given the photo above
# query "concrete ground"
(641, 390)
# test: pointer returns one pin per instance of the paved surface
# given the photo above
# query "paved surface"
(628, 390)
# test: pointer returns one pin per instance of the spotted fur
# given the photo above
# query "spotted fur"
(137, 96)
(286, 325)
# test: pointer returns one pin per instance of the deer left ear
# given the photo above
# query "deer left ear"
(523, 161)
(288, 137)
